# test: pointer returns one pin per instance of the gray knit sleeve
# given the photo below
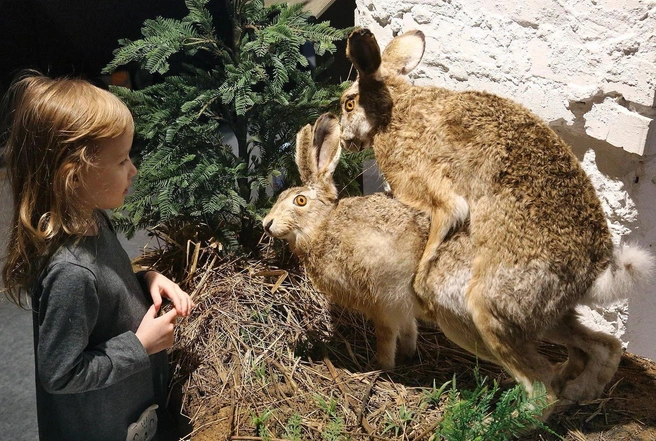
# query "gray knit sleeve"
(68, 310)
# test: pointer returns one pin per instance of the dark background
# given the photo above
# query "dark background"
(77, 37)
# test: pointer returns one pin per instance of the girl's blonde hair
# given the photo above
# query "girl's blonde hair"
(53, 126)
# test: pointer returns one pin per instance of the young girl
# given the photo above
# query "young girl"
(99, 342)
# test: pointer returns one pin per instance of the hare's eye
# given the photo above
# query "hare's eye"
(300, 200)
(349, 104)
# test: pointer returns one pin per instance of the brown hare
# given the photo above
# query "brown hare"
(350, 247)
(539, 235)
(363, 253)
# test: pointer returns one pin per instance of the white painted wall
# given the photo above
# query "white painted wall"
(587, 67)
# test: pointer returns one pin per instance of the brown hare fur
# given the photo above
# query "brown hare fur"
(349, 247)
(363, 253)
(539, 235)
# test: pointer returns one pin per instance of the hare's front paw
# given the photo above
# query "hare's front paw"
(408, 350)
(407, 346)
(385, 362)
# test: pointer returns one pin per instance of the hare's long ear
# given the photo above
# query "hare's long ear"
(307, 165)
(326, 146)
(404, 52)
(363, 51)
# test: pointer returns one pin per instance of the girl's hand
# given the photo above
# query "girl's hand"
(161, 286)
(156, 333)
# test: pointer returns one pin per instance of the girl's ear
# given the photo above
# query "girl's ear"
(326, 144)
(404, 52)
(307, 166)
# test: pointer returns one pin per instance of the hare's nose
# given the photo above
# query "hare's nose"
(267, 226)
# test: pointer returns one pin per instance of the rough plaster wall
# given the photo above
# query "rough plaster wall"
(588, 68)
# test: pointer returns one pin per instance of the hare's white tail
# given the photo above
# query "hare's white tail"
(632, 267)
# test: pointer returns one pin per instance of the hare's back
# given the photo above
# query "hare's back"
(380, 229)
(536, 187)
(518, 176)
(503, 144)
(373, 244)
(367, 253)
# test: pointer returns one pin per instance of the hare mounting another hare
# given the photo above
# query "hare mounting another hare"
(541, 244)
(363, 252)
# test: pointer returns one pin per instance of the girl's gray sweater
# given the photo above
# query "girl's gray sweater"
(93, 376)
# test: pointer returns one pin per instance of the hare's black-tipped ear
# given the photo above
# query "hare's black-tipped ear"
(307, 166)
(404, 52)
(326, 145)
(363, 51)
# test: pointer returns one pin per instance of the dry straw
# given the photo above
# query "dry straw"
(263, 354)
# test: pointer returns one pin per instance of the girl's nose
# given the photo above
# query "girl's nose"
(133, 171)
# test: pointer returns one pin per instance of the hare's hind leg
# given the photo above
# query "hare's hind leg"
(513, 350)
(593, 358)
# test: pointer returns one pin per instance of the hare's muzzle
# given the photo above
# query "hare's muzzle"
(352, 145)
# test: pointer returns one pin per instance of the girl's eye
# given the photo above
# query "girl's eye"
(300, 200)
(349, 104)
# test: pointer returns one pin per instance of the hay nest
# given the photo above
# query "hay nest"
(263, 353)
(264, 356)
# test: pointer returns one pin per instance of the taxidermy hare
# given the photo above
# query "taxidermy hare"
(350, 248)
(363, 253)
(539, 235)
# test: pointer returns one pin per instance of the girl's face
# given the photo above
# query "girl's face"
(105, 184)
